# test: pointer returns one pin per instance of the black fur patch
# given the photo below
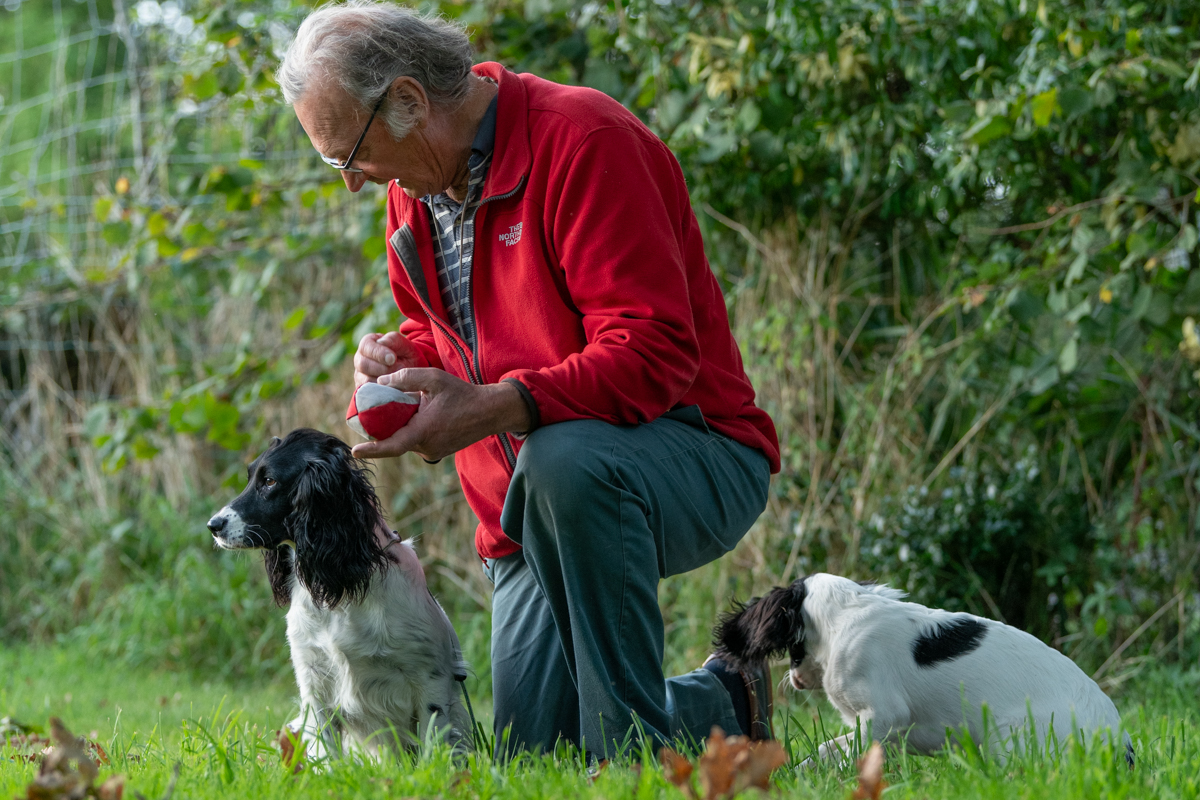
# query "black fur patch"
(948, 641)
(764, 627)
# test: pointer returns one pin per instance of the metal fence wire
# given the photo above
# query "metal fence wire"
(152, 187)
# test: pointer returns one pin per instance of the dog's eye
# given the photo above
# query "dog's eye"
(268, 482)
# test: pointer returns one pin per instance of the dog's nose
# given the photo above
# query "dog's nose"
(217, 524)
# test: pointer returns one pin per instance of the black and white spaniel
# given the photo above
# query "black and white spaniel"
(914, 674)
(376, 659)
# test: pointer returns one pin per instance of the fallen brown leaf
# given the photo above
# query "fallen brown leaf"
(677, 770)
(870, 774)
(594, 772)
(291, 747)
(731, 764)
(112, 789)
(69, 769)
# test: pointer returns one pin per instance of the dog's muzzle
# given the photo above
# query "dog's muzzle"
(228, 529)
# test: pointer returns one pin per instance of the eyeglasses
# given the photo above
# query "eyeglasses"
(345, 165)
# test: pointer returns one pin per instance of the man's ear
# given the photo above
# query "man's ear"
(409, 95)
(334, 516)
(763, 628)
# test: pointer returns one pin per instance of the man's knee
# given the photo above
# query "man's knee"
(562, 471)
(560, 460)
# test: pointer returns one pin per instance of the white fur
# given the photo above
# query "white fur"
(859, 647)
(370, 671)
(233, 536)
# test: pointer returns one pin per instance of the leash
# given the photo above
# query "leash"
(476, 733)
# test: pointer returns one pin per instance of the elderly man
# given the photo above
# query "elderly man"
(572, 350)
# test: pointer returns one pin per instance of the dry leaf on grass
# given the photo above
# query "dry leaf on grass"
(677, 770)
(594, 772)
(69, 769)
(729, 765)
(291, 747)
(870, 774)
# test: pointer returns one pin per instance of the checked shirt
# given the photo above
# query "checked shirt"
(453, 227)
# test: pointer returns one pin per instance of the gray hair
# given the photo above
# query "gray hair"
(364, 45)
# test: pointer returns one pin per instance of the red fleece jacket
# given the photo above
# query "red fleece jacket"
(590, 284)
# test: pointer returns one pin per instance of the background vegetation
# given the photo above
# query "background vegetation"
(958, 240)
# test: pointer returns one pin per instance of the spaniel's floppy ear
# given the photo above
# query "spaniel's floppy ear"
(334, 516)
(763, 628)
(279, 572)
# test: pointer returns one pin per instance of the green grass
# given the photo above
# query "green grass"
(222, 734)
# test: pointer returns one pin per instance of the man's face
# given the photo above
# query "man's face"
(334, 122)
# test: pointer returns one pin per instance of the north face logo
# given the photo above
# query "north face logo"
(513, 236)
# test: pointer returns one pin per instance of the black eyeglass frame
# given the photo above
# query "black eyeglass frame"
(345, 165)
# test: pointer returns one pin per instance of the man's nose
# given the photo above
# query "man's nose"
(354, 180)
(217, 524)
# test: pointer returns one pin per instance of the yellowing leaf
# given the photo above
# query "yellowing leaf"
(156, 224)
(294, 319)
(101, 208)
(1106, 295)
(1044, 105)
(122, 185)
(190, 254)
(1075, 44)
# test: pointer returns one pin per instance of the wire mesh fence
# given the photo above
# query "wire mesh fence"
(180, 279)
(142, 177)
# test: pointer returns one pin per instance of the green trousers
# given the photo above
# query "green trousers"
(602, 513)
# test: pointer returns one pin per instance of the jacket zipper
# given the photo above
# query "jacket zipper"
(510, 453)
(476, 375)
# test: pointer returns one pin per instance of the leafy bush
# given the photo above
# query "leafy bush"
(957, 239)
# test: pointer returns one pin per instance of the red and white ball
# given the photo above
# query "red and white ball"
(376, 412)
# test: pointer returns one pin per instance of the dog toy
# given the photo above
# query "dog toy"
(377, 412)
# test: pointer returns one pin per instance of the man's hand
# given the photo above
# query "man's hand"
(381, 354)
(453, 414)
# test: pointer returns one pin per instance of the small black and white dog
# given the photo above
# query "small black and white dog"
(914, 673)
(376, 659)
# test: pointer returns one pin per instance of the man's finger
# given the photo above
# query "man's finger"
(397, 444)
(371, 367)
(413, 379)
(376, 350)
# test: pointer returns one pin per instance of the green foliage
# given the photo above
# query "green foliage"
(958, 242)
(992, 205)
